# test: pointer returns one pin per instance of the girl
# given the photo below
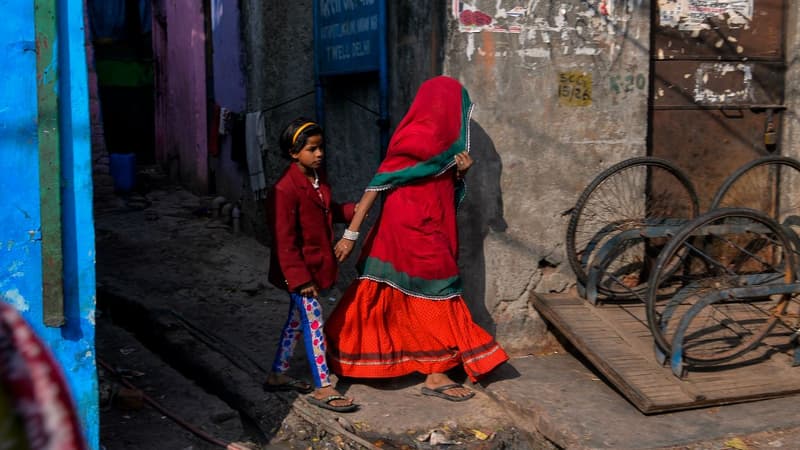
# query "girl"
(302, 260)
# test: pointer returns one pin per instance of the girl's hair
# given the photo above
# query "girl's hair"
(295, 134)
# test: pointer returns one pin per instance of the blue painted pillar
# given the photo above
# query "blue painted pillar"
(21, 277)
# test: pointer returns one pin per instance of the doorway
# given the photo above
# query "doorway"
(717, 91)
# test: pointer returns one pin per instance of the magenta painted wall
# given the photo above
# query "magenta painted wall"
(229, 89)
(181, 106)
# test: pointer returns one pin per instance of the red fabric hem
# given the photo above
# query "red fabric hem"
(377, 331)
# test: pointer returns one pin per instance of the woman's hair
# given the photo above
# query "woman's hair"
(295, 134)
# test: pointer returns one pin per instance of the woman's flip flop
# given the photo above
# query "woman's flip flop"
(326, 403)
(439, 392)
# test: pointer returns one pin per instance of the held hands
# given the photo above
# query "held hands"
(463, 162)
(310, 290)
(343, 248)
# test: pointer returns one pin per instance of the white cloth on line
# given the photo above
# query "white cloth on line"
(255, 144)
(224, 121)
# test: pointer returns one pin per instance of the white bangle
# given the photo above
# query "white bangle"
(350, 235)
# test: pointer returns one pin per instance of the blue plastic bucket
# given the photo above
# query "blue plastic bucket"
(123, 171)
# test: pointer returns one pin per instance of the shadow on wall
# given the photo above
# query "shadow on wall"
(481, 211)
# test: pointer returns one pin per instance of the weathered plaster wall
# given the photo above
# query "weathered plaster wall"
(229, 90)
(561, 93)
(181, 122)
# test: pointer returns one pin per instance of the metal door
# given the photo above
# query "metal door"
(717, 88)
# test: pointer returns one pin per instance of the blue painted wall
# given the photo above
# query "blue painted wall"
(20, 251)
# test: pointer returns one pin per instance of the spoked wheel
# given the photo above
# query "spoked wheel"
(630, 195)
(765, 184)
(738, 275)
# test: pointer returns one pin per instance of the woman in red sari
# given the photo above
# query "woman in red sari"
(405, 312)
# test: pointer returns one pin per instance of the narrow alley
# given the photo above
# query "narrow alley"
(186, 317)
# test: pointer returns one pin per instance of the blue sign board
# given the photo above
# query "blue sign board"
(347, 35)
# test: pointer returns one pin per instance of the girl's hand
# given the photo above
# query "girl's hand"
(310, 291)
(343, 248)
(463, 162)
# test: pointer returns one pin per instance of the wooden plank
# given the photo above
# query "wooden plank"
(617, 341)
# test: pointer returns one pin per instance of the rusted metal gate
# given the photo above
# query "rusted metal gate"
(718, 85)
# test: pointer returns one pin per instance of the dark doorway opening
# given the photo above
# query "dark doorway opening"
(122, 39)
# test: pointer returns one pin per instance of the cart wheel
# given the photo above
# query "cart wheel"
(764, 184)
(632, 194)
(739, 272)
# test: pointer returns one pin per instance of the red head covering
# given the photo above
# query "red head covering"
(413, 246)
(435, 128)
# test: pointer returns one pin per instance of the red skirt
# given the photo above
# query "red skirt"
(377, 331)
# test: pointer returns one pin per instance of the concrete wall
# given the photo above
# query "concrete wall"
(21, 277)
(549, 121)
(179, 52)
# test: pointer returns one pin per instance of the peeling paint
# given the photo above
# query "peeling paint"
(14, 298)
(535, 52)
(470, 48)
(589, 28)
(708, 72)
(692, 15)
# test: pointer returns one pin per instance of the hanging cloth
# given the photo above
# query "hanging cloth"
(255, 144)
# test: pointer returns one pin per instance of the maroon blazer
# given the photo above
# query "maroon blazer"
(302, 231)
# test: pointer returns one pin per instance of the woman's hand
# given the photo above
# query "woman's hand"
(463, 162)
(343, 248)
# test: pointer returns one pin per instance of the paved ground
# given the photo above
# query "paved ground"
(195, 297)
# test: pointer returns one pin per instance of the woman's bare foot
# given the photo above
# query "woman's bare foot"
(437, 380)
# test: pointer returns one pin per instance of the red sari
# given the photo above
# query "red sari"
(405, 312)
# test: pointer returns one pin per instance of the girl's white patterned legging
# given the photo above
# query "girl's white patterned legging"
(305, 318)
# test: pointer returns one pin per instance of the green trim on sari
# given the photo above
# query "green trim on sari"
(433, 166)
(383, 271)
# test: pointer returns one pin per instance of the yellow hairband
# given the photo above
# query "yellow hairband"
(300, 130)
